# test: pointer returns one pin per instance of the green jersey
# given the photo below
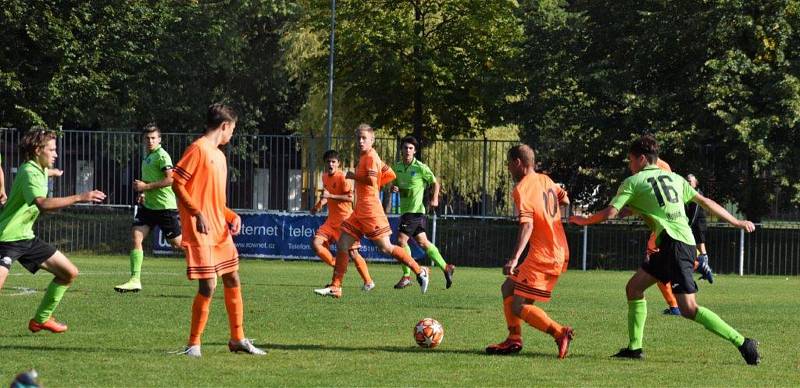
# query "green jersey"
(658, 196)
(154, 169)
(20, 212)
(411, 180)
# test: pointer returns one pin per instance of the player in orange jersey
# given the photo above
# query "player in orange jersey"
(368, 219)
(538, 201)
(338, 196)
(199, 182)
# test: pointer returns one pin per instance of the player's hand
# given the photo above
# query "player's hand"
(325, 194)
(139, 185)
(54, 172)
(200, 224)
(3, 197)
(140, 198)
(313, 210)
(434, 202)
(350, 175)
(510, 268)
(746, 225)
(94, 196)
(395, 189)
(236, 226)
(578, 220)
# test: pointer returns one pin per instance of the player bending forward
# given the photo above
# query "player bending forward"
(369, 218)
(338, 196)
(199, 182)
(659, 197)
(538, 201)
(17, 242)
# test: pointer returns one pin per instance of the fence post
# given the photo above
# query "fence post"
(741, 252)
(485, 177)
(585, 239)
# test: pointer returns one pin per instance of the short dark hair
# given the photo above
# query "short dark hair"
(330, 154)
(410, 140)
(150, 128)
(219, 113)
(645, 145)
(522, 152)
(35, 139)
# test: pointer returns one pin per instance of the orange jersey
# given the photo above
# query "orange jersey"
(387, 175)
(367, 194)
(663, 165)
(537, 198)
(203, 172)
(336, 184)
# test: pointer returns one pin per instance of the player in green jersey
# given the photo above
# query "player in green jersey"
(156, 205)
(17, 241)
(659, 197)
(413, 177)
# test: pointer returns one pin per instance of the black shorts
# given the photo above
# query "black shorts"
(168, 220)
(673, 263)
(699, 234)
(30, 253)
(412, 224)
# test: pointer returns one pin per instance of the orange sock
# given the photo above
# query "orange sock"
(235, 307)
(537, 318)
(666, 290)
(325, 254)
(404, 257)
(200, 308)
(512, 321)
(361, 266)
(340, 268)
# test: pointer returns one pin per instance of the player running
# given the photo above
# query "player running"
(17, 241)
(659, 197)
(199, 182)
(157, 205)
(412, 178)
(368, 219)
(338, 196)
(537, 200)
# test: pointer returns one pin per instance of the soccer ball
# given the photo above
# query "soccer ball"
(428, 333)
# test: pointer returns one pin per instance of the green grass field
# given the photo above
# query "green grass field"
(365, 339)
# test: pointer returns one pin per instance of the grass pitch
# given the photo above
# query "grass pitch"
(365, 339)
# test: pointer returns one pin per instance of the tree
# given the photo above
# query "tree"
(428, 65)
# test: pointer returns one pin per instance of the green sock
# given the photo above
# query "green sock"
(406, 269)
(713, 323)
(637, 314)
(435, 256)
(52, 297)
(137, 256)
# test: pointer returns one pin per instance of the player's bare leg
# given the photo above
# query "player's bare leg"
(433, 253)
(64, 274)
(399, 254)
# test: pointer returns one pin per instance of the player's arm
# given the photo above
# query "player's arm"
(233, 220)
(596, 218)
(166, 182)
(523, 236)
(54, 172)
(3, 196)
(720, 212)
(563, 196)
(435, 193)
(49, 204)
(338, 197)
(318, 206)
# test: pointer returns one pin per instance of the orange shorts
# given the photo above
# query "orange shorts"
(532, 284)
(331, 231)
(209, 261)
(373, 228)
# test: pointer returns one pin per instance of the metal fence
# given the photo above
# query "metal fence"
(271, 172)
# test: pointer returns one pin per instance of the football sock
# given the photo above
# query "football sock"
(52, 297)
(537, 318)
(342, 258)
(137, 256)
(406, 270)
(361, 266)
(402, 256)
(235, 308)
(713, 323)
(325, 255)
(435, 256)
(637, 314)
(200, 308)
(666, 291)
(512, 321)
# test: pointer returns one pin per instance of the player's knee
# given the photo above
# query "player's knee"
(633, 292)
